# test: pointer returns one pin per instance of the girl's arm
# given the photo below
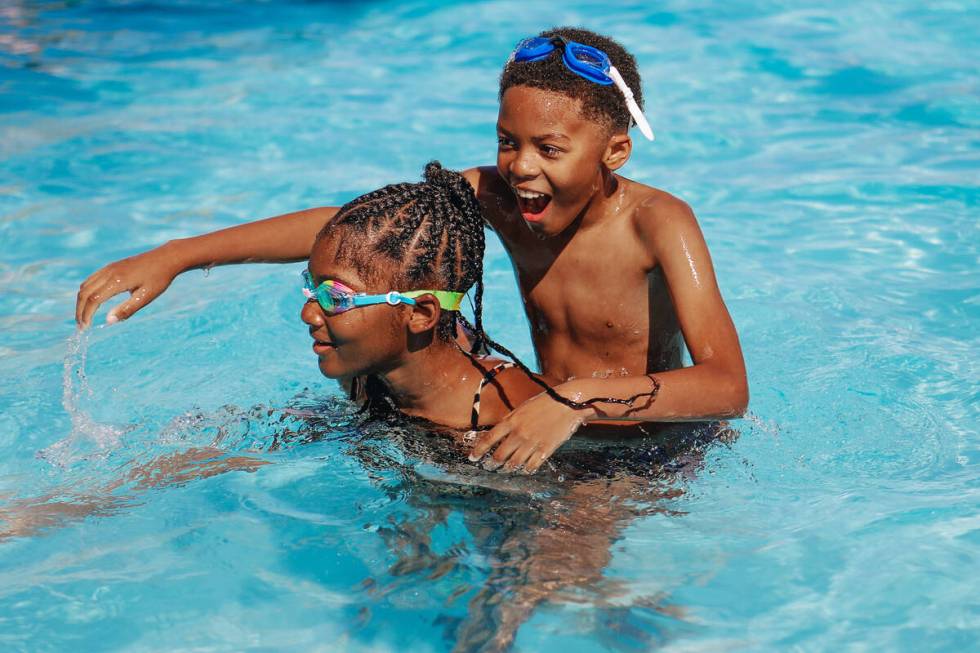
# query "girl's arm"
(281, 239)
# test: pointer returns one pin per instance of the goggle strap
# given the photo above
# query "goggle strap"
(634, 108)
(448, 300)
(393, 298)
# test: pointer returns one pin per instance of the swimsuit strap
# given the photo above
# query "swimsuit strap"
(488, 376)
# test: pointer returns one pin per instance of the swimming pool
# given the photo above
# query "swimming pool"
(831, 152)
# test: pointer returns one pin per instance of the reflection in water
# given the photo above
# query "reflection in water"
(525, 540)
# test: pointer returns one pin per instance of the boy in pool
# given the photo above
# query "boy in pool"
(613, 273)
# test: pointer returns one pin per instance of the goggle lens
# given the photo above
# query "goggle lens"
(331, 299)
(533, 49)
(589, 56)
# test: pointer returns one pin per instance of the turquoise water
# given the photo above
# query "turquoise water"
(832, 153)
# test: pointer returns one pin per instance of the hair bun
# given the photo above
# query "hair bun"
(457, 188)
(435, 174)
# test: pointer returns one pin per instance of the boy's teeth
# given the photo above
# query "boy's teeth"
(527, 194)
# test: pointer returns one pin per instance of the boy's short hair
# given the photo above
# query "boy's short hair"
(603, 104)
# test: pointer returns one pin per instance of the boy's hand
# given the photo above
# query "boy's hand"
(145, 276)
(530, 434)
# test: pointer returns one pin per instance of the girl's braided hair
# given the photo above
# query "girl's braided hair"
(411, 236)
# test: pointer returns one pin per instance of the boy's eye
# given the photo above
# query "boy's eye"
(504, 142)
(550, 151)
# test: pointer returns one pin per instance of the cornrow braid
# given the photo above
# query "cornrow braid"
(433, 233)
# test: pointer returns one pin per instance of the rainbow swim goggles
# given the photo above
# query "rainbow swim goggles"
(585, 61)
(335, 298)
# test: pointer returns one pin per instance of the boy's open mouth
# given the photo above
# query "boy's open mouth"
(532, 204)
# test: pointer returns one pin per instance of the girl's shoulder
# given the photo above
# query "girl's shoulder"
(504, 387)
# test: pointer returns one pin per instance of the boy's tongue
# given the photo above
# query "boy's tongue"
(533, 209)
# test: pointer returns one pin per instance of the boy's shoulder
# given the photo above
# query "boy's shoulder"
(495, 195)
(658, 216)
(487, 180)
(654, 207)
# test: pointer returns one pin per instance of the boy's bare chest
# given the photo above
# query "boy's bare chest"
(586, 289)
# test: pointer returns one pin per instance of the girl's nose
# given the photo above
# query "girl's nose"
(311, 313)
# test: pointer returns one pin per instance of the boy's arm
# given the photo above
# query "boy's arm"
(280, 239)
(714, 387)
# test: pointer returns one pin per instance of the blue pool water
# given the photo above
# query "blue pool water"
(832, 152)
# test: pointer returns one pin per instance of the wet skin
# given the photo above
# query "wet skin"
(621, 322)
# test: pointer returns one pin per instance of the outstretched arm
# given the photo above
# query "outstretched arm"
(714, 387)
(281, 239)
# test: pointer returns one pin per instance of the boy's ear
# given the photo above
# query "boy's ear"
(618, 151)
(425, 314)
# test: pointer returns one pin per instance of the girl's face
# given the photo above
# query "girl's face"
(363, 340)
(550, 154)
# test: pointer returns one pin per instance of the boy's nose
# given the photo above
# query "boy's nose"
(524, 166)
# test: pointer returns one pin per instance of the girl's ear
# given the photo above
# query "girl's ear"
(618, 151)
(425, 314)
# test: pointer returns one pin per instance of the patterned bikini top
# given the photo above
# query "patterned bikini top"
(488, 376)
(359, 393)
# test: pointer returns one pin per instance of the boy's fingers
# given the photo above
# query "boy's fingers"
(537, 459)
(79, 303)
(508, 446)
(137, 300)
(86, 304)
(486, 441)
(93, 292)
(520, 457)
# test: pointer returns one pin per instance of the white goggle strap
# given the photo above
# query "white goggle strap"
(631, 104)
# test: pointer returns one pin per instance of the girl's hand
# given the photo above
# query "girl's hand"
(530, 434)
(145, 276)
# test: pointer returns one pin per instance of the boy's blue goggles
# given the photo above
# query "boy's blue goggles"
(583, 60)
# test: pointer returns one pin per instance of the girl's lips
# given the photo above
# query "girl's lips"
(320, 347)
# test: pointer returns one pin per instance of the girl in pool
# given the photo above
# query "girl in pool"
(384, 285)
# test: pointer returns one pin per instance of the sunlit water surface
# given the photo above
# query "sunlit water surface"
(831, 152)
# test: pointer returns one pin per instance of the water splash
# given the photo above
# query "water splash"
(88, 438)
